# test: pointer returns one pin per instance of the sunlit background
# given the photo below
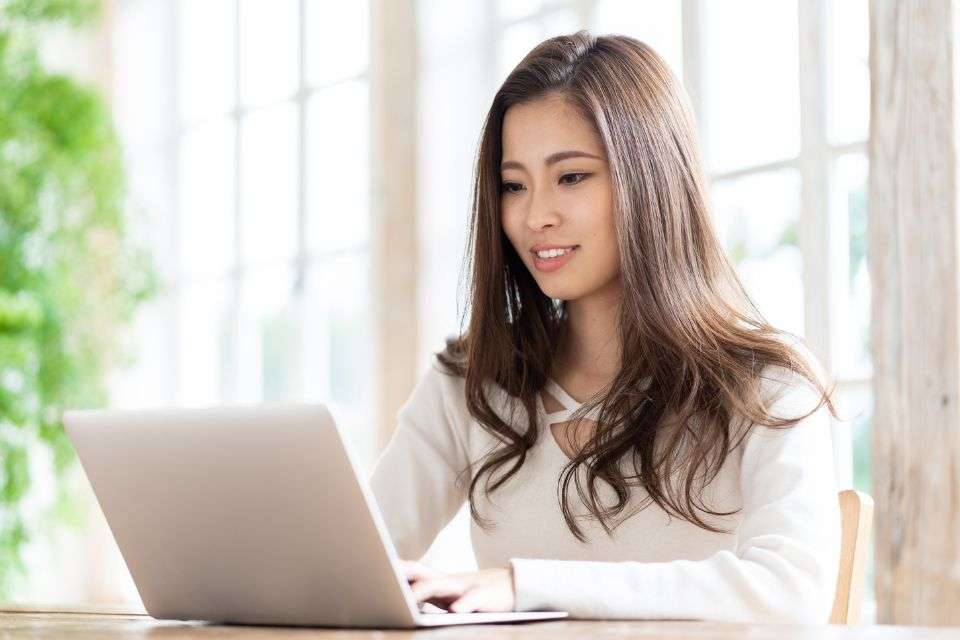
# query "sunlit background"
(247, 128)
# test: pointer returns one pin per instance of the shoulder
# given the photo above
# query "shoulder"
(434, 415)
(790, 400)
(434, 388)
(785, 387)
(438, 390)
(792, 465)
(440, 396)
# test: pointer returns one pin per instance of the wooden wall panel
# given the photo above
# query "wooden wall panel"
(914, 272)
(394, 256)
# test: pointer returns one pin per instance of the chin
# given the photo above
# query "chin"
(561, 291)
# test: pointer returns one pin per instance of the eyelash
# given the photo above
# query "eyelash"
(504, 186)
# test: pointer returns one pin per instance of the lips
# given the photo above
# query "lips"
(548, 265)
(546, 247)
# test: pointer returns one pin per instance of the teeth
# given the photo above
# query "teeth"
(553, 253)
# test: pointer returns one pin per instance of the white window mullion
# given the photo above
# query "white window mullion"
(735, 174)
(814, 228)
(302, 96)
(173, 139)
(301, 264)
(693, 66)
(230, 381)
(822, 230)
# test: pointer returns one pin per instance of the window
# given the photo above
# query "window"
(265, 151)
(246, 126)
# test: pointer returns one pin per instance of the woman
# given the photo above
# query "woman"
(635, 441)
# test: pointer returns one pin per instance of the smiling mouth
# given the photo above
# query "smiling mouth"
(550, 254)
(553, 259)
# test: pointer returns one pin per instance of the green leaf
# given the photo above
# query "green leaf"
(70, 277)
(75, 12)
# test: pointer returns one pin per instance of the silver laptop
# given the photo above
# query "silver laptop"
(249, 515)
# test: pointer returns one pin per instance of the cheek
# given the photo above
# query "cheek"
(602, 232)
(610, 236)
(505, 225)
(593, 216)
(510, 227)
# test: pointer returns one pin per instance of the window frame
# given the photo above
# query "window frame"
(235, 276)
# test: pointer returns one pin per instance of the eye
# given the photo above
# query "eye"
(579, 177)
(569, 179)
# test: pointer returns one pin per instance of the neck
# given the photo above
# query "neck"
(590, 348)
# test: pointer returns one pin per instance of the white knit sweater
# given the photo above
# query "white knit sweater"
(779, 562)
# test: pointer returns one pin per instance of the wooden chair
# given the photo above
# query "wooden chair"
(856, 509)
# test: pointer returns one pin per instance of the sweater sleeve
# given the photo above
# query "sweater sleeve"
(785, 564)
(414, 479)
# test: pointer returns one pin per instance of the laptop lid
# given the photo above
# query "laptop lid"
(246, 514)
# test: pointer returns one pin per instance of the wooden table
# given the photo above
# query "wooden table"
(118, 623)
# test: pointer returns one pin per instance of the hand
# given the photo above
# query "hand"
(487, 590)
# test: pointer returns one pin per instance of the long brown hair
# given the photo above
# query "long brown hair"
(693, 345)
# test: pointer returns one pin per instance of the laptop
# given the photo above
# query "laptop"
(250, 515)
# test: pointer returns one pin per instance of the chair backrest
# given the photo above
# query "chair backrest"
(856, 509)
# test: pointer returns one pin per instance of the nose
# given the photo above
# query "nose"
(542, 211)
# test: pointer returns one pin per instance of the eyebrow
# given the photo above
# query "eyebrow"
(552, 159)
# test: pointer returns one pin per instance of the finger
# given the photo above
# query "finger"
(447, 587)
(443, 603)
(413, 570)
(471, 600)
(437, 588)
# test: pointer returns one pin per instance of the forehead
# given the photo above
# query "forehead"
(535, 129)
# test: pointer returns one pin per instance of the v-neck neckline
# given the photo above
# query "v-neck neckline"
(564, 398)
(568, 402)
(570, 405)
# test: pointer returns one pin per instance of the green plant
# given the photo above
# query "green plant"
(70, 279)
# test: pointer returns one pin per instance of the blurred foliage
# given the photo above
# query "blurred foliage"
(70, 279)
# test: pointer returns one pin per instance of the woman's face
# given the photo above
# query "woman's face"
(556, 194)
